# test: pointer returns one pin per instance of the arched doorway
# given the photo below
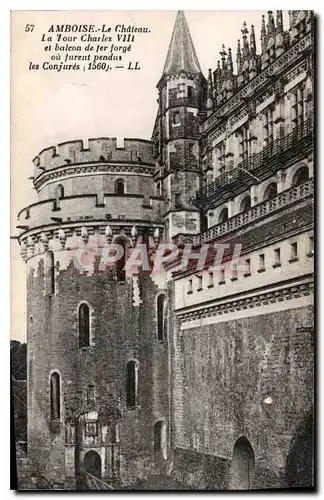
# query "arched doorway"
(160, 441)
(242, 466)
(92, 463)
(302, 175)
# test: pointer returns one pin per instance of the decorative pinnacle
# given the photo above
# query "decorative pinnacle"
(210, 84)
(223, 56)
(263, 26)
(238, 56)
(252, 41)
(279, 21)
(229, 60)
(271, 24)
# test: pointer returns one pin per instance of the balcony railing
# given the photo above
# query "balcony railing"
(261, 165)
(283, 199)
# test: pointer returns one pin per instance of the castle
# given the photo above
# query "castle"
(203, 375)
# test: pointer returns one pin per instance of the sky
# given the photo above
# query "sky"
(48, 107)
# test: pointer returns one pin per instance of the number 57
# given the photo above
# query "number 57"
(29, 27)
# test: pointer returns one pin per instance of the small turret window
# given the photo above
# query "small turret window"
(120, 187)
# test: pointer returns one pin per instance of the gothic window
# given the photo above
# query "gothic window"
(220, 155)
(55, 396)
(161, 317)
(268, 127)
(84, 325)
(91, 428)
(49, 273)
(119, 187)
(298, 108)
(131, 384)
(244, 142)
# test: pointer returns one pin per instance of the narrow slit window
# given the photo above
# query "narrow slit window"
(161, 318)
(55, 396)
(131, 384)
(84, 325)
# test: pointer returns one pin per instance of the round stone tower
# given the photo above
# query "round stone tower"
(98, 369)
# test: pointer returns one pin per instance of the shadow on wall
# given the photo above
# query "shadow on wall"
(299, 464)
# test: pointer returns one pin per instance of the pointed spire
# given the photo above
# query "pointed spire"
(252, 42)
(238, 57)
(181, 54)
(223, 56)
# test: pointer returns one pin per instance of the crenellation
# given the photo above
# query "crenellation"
(135, 151)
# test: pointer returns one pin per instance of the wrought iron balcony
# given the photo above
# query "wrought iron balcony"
(282, 200)
(261, 165)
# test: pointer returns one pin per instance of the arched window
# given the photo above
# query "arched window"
(119, 187)
(131, 383)
(59, 194)
(160, 305)
(302, 175)
(120, 264)
(49, 273)
(84, 325)
(270, 192)
(55, 395)
(59, 191)
(245, 204)
(223, 216)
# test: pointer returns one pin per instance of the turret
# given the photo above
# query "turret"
(182, 95)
